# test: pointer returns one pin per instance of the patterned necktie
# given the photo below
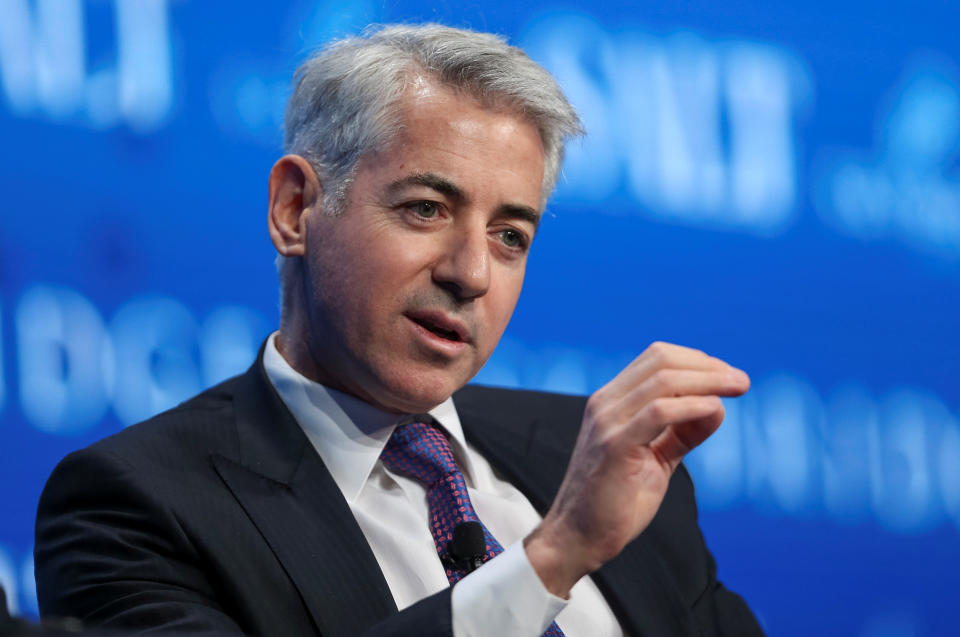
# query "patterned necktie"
(421, 451)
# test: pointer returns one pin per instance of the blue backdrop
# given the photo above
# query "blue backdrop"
(775, 183)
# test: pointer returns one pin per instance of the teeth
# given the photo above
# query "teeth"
(439, 331)
(447, 334)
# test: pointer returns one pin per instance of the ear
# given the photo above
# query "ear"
(294, 192)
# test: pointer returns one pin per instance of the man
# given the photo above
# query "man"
(292, 499)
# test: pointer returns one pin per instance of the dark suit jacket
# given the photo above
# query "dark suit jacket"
(219, 517)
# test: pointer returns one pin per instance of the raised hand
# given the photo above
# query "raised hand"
(635, 431)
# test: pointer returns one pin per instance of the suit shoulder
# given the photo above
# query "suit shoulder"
(500, 399)
(146, 463)
(550, 417)
(199, 424)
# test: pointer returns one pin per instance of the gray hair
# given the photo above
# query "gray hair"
(344, 98)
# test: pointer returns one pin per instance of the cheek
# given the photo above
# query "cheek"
(504, 299)
(391, 253)
(340, 283)
(373, 286)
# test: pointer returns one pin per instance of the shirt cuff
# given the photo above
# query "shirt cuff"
(504, 597)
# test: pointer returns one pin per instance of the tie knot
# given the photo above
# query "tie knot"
(420, 451)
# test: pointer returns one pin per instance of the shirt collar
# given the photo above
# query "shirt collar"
(348, 433)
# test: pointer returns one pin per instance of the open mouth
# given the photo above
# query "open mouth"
(439, 330)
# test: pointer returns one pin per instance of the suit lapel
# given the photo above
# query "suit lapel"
(533, 456)
(296, 505)
(532, 462)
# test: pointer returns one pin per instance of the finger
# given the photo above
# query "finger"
(661, 414)
(679, 439)
(662, 356)
(667, 383)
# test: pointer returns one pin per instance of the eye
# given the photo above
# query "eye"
(513, 238)
(424, 209)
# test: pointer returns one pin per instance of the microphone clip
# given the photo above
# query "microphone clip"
(464, 564)
(466, 551)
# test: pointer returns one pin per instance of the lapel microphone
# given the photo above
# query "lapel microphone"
(467, 549)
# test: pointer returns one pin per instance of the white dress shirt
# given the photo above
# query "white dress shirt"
(503, 597)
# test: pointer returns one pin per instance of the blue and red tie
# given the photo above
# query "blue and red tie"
(421, 451)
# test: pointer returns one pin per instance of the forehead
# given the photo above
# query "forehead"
(447, 132)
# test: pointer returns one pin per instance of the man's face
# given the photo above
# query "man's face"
(410, 289)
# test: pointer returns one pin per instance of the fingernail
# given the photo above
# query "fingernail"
(738, 375)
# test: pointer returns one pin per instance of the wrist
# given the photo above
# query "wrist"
(557, 562)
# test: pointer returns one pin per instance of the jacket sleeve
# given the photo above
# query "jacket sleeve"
(110, 554)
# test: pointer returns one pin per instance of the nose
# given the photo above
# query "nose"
(464, 265)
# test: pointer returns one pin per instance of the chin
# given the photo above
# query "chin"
(417, 392)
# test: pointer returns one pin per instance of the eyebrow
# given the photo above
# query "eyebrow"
(521, 213)
(447, 188)
(430, 180)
